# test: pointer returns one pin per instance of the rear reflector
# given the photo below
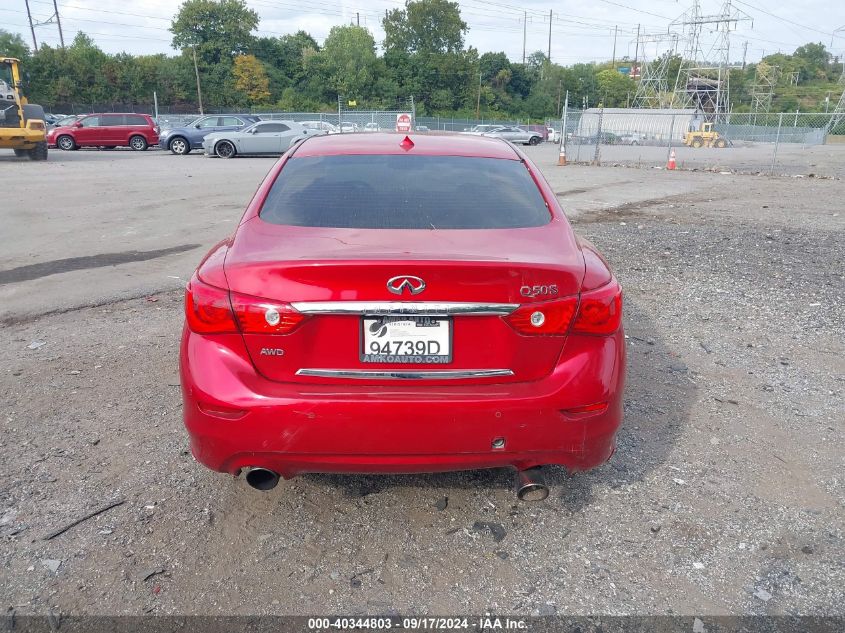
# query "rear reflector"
(210, 310)
(218, 411)
(589, 409)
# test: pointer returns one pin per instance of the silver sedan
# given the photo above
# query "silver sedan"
(262, 138)
(515, 134)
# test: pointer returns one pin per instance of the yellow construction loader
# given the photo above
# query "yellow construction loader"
(22, 126)
(706, 136)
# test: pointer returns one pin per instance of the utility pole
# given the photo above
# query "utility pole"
(478, 103)
(744, 53)
(59, 23)
(615, 30)
(197, 73)
(524, 29)
(31, 27)
(636, 51)
(550, 36)
(358, 18)
(559, 89)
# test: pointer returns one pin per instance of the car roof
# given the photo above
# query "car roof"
(391, 143)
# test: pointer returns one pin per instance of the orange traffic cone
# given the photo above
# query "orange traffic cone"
(671, 164)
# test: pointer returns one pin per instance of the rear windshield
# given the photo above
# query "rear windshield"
(405, 192)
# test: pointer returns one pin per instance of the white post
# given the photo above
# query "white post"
(562, 154)
(155, 104)
(777, 142)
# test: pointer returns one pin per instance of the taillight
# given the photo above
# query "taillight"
(261, 316)
(207, 309)
(600, 311)
(550, 318)
(211, 310)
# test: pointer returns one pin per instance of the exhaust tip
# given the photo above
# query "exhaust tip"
(531, 485)
(262, 479)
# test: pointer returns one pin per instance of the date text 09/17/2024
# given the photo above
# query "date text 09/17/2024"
(483, 623)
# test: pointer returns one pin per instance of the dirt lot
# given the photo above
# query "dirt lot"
(726, 495)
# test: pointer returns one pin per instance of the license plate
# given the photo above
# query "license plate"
(417, 340)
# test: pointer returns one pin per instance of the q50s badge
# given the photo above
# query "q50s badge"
(539, 291)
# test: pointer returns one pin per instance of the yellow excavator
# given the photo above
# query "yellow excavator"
(22, 126)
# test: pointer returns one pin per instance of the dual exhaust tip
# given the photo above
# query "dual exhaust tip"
(530, 483)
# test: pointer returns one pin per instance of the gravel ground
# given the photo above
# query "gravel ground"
(725, 497)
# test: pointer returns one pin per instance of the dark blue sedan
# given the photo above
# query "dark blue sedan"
(182, 140)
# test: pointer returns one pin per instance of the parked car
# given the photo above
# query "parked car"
(372, 127)
(632, 138)
(66, 120)
(516, 135)
(481, 129)
(264, 137)
(137, 131)
(323, 126)
(605, 138)
(423, 129)
(554, 135)
(51, 119)
(493, 341)
(182, 140)
(346, 127)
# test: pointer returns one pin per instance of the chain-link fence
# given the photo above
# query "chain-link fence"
(773, 143)
(175, 116)
(353, 119)
(789, 142)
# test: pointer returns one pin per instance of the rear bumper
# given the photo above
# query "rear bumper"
(402, 427)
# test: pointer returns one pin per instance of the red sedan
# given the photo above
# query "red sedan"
(400, 305)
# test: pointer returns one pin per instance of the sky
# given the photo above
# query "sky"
(580, 32)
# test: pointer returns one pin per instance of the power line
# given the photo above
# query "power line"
(625, 6)
(782, 19)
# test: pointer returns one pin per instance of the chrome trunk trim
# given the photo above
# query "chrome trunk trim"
(435, 374)
(428, 308)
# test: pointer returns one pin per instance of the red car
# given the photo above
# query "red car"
(137, 131)
(400, 305)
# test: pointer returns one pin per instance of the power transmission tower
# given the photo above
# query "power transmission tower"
(839, 111)
(765, 79)
(653, 89)
(703, 80)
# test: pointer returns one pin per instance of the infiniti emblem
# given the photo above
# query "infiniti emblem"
(398, 284)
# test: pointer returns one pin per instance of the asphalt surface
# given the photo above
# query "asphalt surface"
(725, 497)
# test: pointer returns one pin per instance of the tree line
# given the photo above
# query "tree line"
(423, 54)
